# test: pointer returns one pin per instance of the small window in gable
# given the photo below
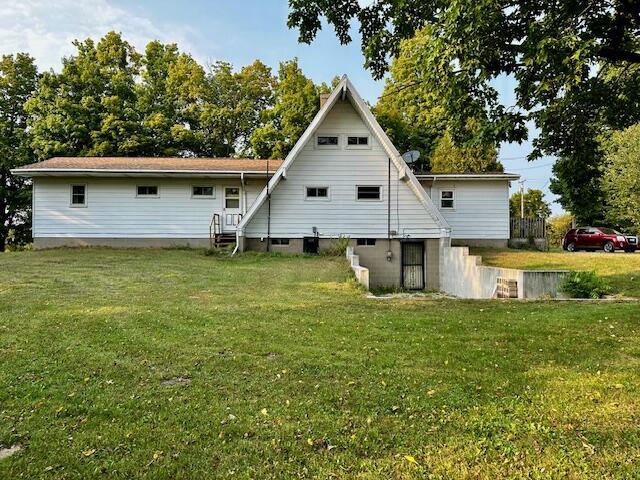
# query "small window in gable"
(368, 192)
(327, 140)
(202, 191)
(147, 191)
(358, 141)
(317, 193)
(446, 199)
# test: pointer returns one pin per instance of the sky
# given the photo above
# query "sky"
(238, 31)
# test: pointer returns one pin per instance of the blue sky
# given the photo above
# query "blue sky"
(238, 31)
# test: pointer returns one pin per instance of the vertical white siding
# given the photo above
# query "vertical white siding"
(481, 207)
(342, 169)
(114, 211)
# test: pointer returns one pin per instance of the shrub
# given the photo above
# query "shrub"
(557, 226)
(585, 285)
(338, 247)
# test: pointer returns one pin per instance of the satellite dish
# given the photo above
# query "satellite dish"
(411, 156)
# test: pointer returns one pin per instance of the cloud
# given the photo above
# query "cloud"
(46, 28)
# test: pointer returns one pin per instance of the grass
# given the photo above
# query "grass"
(296, 374)
(621, 270)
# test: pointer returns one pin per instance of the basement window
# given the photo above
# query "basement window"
(368, 192)
(202, 191)
(279, 242)
(366, 242)
(446, 199)
(317, 193)
(147, 191)
(78, 195)
(330, 141)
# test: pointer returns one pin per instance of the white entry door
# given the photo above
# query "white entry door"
(231, 216)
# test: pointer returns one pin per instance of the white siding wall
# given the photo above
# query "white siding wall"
(342, 169)
(114, 211)
(481, 208)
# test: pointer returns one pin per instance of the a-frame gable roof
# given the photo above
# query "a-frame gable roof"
(345, 89)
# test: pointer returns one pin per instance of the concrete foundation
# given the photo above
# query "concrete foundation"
(40, 243)
(381, 272)
(480, 242)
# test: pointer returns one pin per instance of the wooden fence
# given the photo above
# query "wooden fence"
(528, 227)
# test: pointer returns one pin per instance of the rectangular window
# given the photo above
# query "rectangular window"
(368, 192)
(446, 199)
(366, 242)
(357, 141)
(318, 192)
(232, 197)
(279, 241)
(78, 195)
(202, 191)
(147, 191)
(327, 140)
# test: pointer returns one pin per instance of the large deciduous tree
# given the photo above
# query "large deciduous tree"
(534, 204)
(417, 115)
(621, 183)
(18, 79)
(576, 64)
(297, 100)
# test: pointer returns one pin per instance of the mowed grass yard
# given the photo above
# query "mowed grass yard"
(621, 270)
(294, 373)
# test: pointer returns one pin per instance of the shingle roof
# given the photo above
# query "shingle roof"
(147, 164)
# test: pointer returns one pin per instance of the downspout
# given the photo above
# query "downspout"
(389, 211)
(268, 211)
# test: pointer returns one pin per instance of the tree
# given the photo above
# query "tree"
(449, 158)
(621, 182)
(18, 79)
(418, 117)
(557, 226)
(534, 204)
(576, 64)
(233, 105)
(90, 107)
(297, 100)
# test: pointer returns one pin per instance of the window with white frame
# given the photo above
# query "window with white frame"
(232, 197)
(202, 191)
(327, 141)
(357, 141)
(368, 192)
(447, 199)
(78, 195)
(147, 191)
(317, 193)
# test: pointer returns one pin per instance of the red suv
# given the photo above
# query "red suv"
(598, 238)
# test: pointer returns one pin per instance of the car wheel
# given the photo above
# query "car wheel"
(630, 250)
(571, 247)
(609, 247)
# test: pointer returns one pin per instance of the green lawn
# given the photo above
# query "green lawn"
(622, 270)
(296, 374)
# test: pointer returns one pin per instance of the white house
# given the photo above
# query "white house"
(343, 178)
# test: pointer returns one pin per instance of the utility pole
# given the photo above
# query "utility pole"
(521, 182)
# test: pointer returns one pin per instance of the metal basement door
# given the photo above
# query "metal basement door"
(413, 265)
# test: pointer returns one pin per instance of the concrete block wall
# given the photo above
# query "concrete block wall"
(361, 273)
(464, 276)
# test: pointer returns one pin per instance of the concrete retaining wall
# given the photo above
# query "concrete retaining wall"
(464, 276)
(362, 273)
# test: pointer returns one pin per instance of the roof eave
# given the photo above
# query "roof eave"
(102, 172)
